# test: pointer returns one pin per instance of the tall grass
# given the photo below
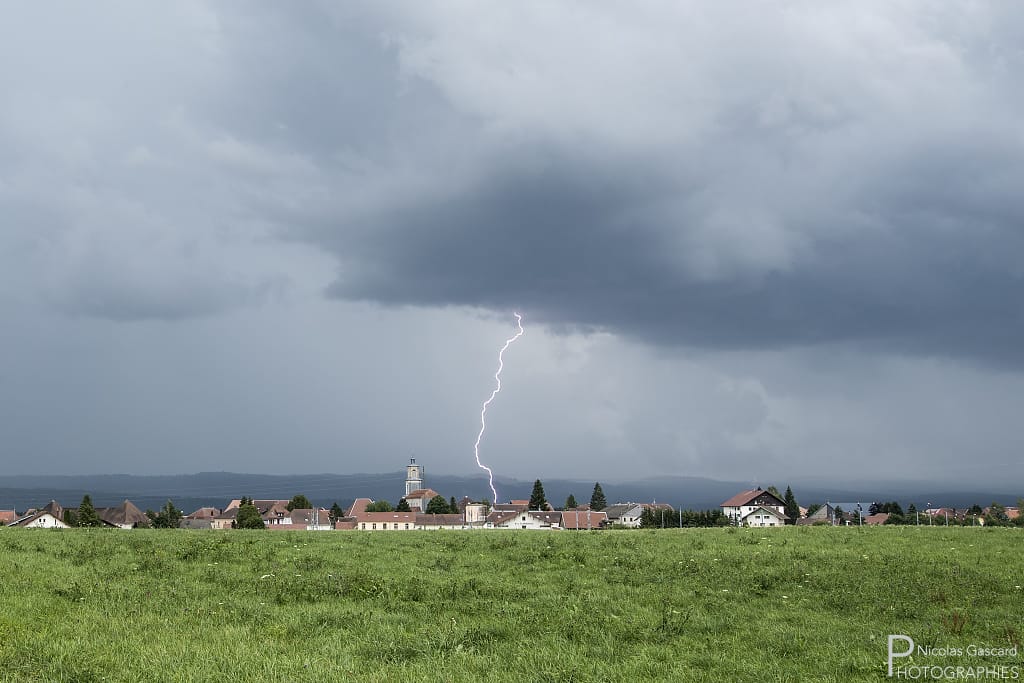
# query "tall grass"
(793, 604)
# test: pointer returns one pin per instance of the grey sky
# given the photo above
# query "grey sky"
(760, 244)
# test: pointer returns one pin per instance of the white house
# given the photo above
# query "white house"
(385, 521)
(40, 520)
(433, 522)
(528, 519)
(311, 519)
(763, 516)
(742, 504)
(625, 514)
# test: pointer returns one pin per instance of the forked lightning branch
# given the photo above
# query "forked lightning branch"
(483, 410)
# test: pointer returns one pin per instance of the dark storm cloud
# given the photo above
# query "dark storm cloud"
(916, 265)
(797, 212)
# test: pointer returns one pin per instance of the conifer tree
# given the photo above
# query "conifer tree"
(538, 501)
(403, 506)
(570, 502)
(792, 508)
(87, 513)
(336, 512)
(597, 501)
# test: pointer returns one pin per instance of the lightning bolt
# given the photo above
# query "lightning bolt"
(483, 410)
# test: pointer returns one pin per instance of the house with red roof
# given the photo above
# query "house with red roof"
(583, 519)
(756, 507)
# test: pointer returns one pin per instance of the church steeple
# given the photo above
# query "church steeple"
(413, 476)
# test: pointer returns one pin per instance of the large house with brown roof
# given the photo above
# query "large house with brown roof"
(124, 516)
(756, 507)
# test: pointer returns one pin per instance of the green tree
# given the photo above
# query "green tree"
(437, 506)
(570, 502)
(996, 515)
(597, 501)
(453, 506)
(538, 501)
(70, 518)
(812, 508)
(403, 506)
(775, 492)
(299, 502)
(336, 512)
(87, 513)
(892, 507)
(169, 517)
(248, 517)
(792, 507)
(379, 506)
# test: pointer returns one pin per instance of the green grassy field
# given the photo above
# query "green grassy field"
(793, 604)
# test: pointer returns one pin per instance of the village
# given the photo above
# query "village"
(422, 508)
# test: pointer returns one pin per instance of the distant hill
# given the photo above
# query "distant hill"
(190, 491)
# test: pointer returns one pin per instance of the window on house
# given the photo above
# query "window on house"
(396, 525)
(374, 525)
(407, 525)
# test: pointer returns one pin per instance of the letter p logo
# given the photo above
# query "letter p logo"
(894, 654)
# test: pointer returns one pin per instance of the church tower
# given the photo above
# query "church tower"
(413, 476)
